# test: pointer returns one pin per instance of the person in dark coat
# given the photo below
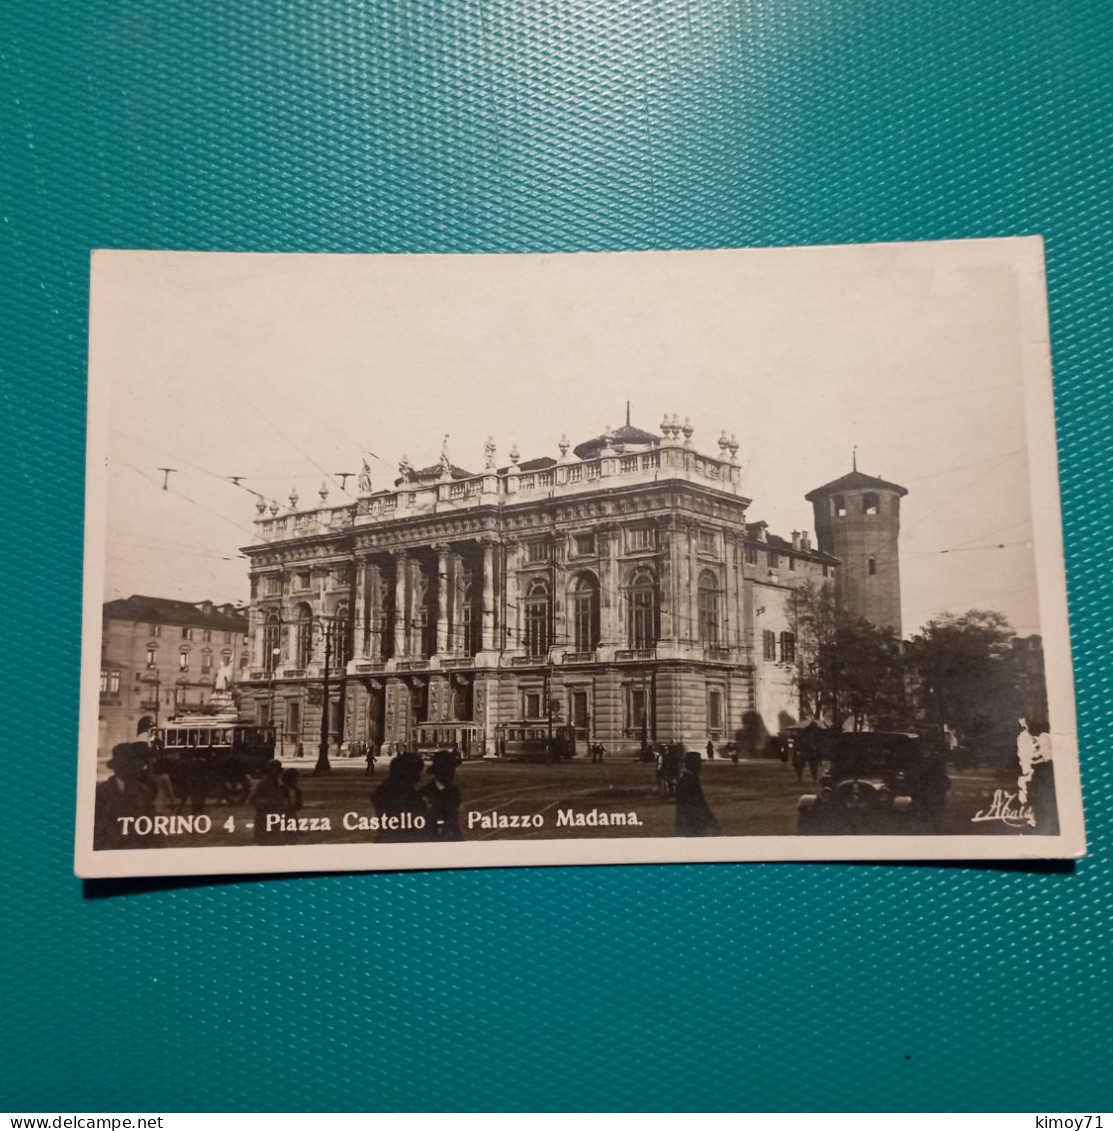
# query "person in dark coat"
(711, 750)
(672, 758)
(369, 758)
(127, 793)
(442, 797)
(693, 814)
(398, 798)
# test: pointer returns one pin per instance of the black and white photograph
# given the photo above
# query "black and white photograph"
(418, 561)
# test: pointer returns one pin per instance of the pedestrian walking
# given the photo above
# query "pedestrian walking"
(400, 807)
(693, 814)
(369, 758)
(710, 750)
(442, 797)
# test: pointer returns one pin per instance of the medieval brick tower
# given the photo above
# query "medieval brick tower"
(857, 519)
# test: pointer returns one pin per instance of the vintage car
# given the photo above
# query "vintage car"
(870, 785)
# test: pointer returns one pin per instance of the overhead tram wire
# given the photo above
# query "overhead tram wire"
(254, 534)
(304, 454)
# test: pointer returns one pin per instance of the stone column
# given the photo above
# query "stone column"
(667, 586)
(456, 595)
(374, 612)
(359, 609)
(487, 637)
(442, 598)
(685, 630)
(733, 614)
(414, 634)
(610, 595)
(513, 620)
(401, 611)
(693, 583)
(560, 636)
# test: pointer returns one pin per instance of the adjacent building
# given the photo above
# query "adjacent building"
(159, 657)
(619, 589)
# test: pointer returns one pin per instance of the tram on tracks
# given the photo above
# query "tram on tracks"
(211, 757)
(536, 742)
(465, 739)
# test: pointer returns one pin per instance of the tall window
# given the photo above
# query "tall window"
(109, 682)
(467, 621)
(537, 551)
(873, 566)
(637, 710)
(537, 618)
(303, 651)
(871, 503)
(641, 605)
(838, 505)
(341, 638)
(715, 710)
(425, 601)
(708, 542)
(585, 613)
(270, 643)
(708, 608)
(773, 558)
(183, 660)
(206, 661)
(769, 644)
(788, 648)
(207, 635)
(156, 629)
(187, 633)
(751, 555)
(152, 656)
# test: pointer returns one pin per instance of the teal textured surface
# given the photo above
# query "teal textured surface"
(422, 126)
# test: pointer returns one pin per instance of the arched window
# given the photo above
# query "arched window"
(709, 611)
(271, 646)
(303, 647)
(641, 610)
(537, 606)
(585, 613)
(341, 636)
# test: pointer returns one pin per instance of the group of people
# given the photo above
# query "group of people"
(276, 793)
(409, 810)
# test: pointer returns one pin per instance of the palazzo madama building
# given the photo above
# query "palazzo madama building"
(619, 588)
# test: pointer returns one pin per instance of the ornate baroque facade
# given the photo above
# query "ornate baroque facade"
(619, 587)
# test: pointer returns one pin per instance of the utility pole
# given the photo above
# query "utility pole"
(323, 766)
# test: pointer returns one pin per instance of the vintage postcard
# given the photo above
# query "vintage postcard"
(422, 561)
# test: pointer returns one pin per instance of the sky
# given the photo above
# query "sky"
(288, 369)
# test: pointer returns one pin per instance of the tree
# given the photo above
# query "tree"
(848, 667)
(962, 679)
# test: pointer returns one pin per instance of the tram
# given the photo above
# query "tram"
(210, 757)
(464, 738)
(536, 742)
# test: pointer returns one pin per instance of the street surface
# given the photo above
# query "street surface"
(753, 798)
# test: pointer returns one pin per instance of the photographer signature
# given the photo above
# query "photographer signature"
(1006, 807)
